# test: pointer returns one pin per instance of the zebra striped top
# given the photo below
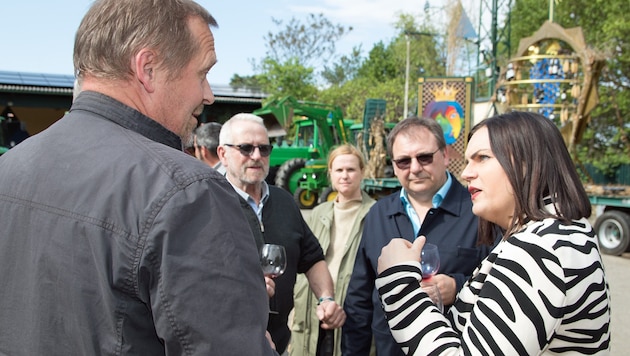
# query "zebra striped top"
(541, 291)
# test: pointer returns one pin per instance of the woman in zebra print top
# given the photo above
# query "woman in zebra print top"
(542, 290)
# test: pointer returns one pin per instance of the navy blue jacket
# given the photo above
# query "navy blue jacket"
(452, 227)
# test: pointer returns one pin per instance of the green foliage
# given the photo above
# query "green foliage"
(301, 61)
(244, 82)
(295, 53)
(382, 73)
(344, 70)
(288, 78)
(381, 64)
(352, 96)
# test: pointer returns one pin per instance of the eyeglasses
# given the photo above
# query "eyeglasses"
(247, 149)
(423, 158)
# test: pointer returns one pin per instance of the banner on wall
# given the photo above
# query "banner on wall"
(448, 100)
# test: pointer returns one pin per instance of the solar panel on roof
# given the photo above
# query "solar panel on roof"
(37, 79)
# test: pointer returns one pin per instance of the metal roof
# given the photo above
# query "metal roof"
(36, 83)
(62, 84)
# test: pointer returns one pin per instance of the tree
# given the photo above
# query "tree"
(293, 55)
(382, 73)
(245, 82)
(352, 95)
(345, 69)
(309, 43)
(381, 64)
(288, 78)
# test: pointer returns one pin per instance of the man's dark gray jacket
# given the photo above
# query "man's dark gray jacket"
(115, 242)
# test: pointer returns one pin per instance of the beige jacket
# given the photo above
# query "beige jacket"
(305, 328)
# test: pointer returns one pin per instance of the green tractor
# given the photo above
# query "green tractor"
(301, 131)
(369, 136)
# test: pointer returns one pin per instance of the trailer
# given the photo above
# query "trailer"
(611, 211)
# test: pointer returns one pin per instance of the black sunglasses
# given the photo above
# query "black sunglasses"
(247, 149)
(423, 158)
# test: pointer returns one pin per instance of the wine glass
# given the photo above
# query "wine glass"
(273, 259)
(434, 293)
(430, 260)
(430, 264)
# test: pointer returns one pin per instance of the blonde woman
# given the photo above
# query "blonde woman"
(338, 225)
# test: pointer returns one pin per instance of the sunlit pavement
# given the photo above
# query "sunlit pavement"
(618, 273)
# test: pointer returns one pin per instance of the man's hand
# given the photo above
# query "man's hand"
(331, 314)
(271, 287)
(446, 285)
(271, 343)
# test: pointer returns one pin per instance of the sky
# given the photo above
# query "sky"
(38, 35)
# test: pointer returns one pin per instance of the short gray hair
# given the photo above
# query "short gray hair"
(208, 136)
(226, 130)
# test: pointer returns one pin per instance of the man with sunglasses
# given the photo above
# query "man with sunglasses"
(431, 203)
(244, 151)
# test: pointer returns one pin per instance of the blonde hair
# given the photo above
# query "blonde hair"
(346, 149)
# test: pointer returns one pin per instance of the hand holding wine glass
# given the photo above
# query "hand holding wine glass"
(273, 259)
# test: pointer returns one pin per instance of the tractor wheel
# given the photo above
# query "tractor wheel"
(328, 194)
(613, 232)
(288, 176)
(305, 199)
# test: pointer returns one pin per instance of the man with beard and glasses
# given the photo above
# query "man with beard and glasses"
(244, 150)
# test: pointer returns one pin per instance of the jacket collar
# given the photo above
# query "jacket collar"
(452, 202)
(113, 110)
(326, 217)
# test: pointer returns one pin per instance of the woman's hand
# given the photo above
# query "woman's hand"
(399, 250)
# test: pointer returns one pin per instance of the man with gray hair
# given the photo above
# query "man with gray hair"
(244, 151)
(113, 240)
(206, 142)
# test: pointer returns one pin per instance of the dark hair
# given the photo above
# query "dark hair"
(113, 31)
(415, 122)
(538, 165)
(208, 136)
